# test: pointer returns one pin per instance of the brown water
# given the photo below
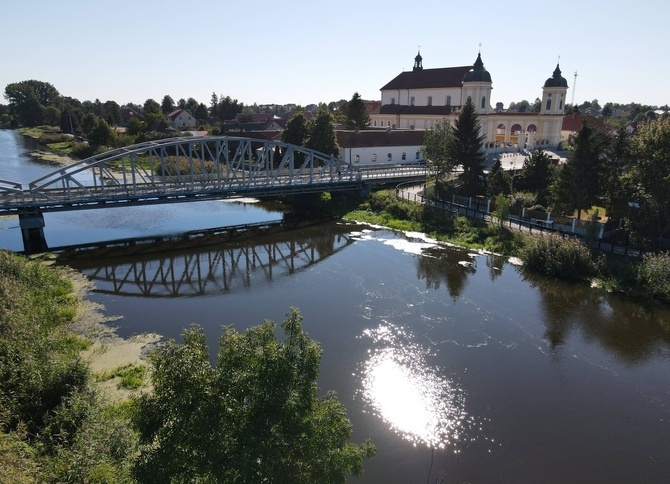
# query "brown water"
(438, 354)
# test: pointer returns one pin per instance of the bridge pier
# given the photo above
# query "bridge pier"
(32, 231)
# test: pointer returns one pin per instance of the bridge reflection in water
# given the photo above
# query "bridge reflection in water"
(222, 268)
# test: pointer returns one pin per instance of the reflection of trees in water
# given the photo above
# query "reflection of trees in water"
(631, 330)
(495, 263)
(439, 265)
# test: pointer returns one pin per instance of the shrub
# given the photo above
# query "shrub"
(566, 259)
(654, 275)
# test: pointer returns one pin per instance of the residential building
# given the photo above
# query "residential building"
(181, 119)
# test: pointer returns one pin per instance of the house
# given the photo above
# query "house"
(181, 119)
(573, 123)
(418, 99)
(374, 146)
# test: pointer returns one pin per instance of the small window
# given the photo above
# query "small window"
(430, 100)
(411, 101)
(448, 100)
(548, 104)
(357, 158)
(389, 157)
(417, 155)
(483, 102)
(374, 156)
(404, 156)
(469, 100)
(374, 123)
(560, 104)
(388, 123)
(392, 100)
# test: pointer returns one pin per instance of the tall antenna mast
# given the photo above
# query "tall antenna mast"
(574, 85)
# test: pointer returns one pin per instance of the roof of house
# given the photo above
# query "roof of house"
(372, 107)
(573, 122)
(372, 138)
(257, 117)
(429, 78)
(174, 114)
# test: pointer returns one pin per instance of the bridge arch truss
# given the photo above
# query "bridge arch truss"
(187, 168)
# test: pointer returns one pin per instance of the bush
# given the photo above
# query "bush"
(566, 259)
(654, 275)
(49, 138)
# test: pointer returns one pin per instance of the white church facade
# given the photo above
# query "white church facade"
(418, 99)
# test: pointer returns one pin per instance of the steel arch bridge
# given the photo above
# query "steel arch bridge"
(184, 170)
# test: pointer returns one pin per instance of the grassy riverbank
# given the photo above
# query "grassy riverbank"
(550, 256)
(56, 423)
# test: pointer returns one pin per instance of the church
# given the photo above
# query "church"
(417, 99)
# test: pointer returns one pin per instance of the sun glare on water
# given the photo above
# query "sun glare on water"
(416, 401)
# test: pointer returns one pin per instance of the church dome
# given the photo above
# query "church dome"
(477, 73)
(556, 80)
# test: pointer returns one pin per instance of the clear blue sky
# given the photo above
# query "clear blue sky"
(307, 52)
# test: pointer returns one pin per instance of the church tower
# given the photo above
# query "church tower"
(477, 87)
(553, 94)
(418, 62)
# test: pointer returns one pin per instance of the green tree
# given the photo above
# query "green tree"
(102, 134)
(254, 417)
(535, 176)
(167, 105)
(648, 181)
(214, 106)
(201, 113)
(498, 182)
(151, 107)
(579, 182)
(28, 100)
(112, 112)
(467, 149)
(357, 113)
(501, 212)
(437, 149)
(322, 133)
(295, 133)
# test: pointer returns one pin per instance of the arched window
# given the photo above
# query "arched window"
(448, 100)
(548, 104)
(469, 100)
(560, 104)
(374, 123)
(483, 102)
(531, 128)
(430, 100)
(417, 155)
(404, 156)
(357, 159)
(374, 156)
(411, 101)
(516, 128)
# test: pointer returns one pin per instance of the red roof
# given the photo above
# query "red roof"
(574, 122)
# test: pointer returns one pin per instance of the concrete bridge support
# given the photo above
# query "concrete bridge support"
(32, 231)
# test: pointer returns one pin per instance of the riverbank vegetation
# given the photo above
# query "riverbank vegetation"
(57, 426)
(566, 259)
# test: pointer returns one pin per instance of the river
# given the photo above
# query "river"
(457, 365)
